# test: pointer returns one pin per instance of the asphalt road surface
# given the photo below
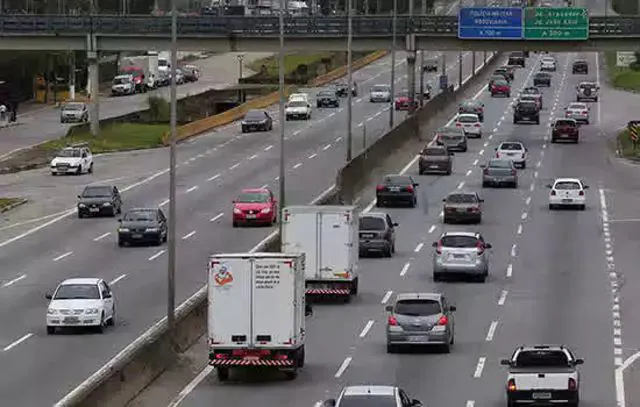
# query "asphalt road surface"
(548, 281)
(37, 255)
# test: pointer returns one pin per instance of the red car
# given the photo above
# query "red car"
(255, 206)
(402, 101)
(499, 87)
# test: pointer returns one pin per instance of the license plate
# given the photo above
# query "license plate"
(564, 135)
(251, 216)
(541, 396)
(137, 236)
(417, 338)
(94, 209)
(71, 320)
(394, 189)
(251, 358)
(458, 256)
(567, 200)
(367, 236)
(433, 166)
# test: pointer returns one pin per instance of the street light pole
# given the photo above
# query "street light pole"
(240, 93)
(281, 179)
(394, 17)
(349, 81)
(171, 269)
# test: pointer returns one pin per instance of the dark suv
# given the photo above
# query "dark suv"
(99, 200)
(580, 66)
(526, 111)
(517, 58)
(435, 159)
(377, 233)
(565, 129)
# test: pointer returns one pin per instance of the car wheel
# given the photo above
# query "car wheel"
(485, 184)
(112, 321)
(386, 252)
(244, 130)
(100, 328)
(583, 207)
(446, 348)
(523, 165)
(464, 150)
(553, 140)
(121, 243)
(538, 120)
(391, 348)
(379, 203)
(449, 171)
(413, 203)
(509, 94)
(479, 219)
(514, 185)
(515, 121)
(234, 224)
(445, 220)
(222, 373)
(270, 126)
(437, 277)
(51, 330)
(552, 207)
(420, 171)
(79, 171)
(80, 215)
(90, 170)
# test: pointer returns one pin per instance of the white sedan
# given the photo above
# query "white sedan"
(81, 302)
(578, 111)
(548, 64)
(470, 124)
(567, 192)
(514, 151)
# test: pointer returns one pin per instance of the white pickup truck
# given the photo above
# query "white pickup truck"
(541, 375)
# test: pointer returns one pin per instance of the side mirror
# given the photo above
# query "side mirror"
(488, 245)
(444, 199)
(483, 166)
(434, 244)
(48, 296)
(496, 149)
(548, 186)
(330, 403)
(234, 201)
(308, 105)
(308, 311)
(505, 362)
(586, 187)
(416, 403)
(107, 295)
(416, 184)
(481, 200)
(453, 308)
(395, 224)
(79, 197)
(579, 362)
(389, 308)
(119, 220)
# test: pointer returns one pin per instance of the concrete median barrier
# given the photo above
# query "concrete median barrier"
(136, 366)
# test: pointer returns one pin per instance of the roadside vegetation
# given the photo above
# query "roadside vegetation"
(626, 146)
(623, 78)
(291, 63)
(7, 202)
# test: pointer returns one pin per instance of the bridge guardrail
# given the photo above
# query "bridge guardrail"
(231, 26)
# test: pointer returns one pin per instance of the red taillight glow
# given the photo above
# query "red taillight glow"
(581, 193)
(472, 210)
(477, 125)
(443, 320)
(513, 172)
(511, 385)
(572, 384)
(392, 321)
(409, 188)
(458, 124)
(497, 155)
(222, 356)
(380, 188)
(439, 248)
(480, 247)
(553, 193)
(281, 357)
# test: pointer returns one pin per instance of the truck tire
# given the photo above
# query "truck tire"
(291, 374)
(391, 348)
(222, 373)
(354, 287)
(301, 357)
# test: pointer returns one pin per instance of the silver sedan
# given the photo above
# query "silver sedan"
(578, 111)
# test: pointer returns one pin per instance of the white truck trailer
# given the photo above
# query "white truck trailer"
(257, 312)
(328, 236)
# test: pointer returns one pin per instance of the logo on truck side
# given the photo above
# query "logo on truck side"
(223, 276)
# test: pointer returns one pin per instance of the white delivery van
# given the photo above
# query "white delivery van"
(328, 236)
(257, 312)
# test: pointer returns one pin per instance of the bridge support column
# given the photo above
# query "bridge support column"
(473, 63)
(92, 91)
(411, 71)
(460, 73)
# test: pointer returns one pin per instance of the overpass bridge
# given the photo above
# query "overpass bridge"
(97, 33)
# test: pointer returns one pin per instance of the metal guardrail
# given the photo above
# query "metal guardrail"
(231, 26)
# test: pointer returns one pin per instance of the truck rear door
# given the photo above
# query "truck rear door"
(335, 245)
(542, 381)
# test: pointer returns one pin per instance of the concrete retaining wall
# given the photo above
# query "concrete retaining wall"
(129, 372)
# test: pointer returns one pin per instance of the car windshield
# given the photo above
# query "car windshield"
(326, 94)
(467, 119)
(70, 152)
(434, 151)
(567, 185)
(418, 308)
(368, 401)
(397, 180)
(95, 192)
(140, 216)
(77, 292)
(511, 146)
(542, 358)
(379, 88)
(298, 103)
(122, 80)
(531, 91)
(565, 123)
(254, 115)
(73, 106)
(499, 164)
(459, 241)
(461, 198)
(371, 223)
(587, 86)
(252, 197)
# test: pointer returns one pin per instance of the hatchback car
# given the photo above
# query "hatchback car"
(567, 192)
(377, 233)
(74, 112)
(542, 79)
(99, 200)
(461, 253)
(420, 319)
(256, 120)
(499, 173)
(526, 111)
(327, 98)
(435, 159)
(509, 74)
(342, 89)
(380, 93)
(403, 100)
(533, 92)
(397, 188)
(142, 225)
(81, 302)
(473, 107)
(500, 87)
(367, 395)
(580, 66)
(452, 138)
(470, 124)
(548, 64)
(255, 206)
(565, 130)
(578, 111)
(587, 91)
(514, 151)
(462, 207)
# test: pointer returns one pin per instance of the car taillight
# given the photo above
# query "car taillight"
(553, 193)
(409, 188)
(497, 155)
(584, 112)
(439, 248)
(222, 356)
(511, 385)
(572, 384)
(477, 125)
(513, 172)
(392, 321)
(443, 320)
(480, 247)
(380, 188)
(458, 124)
(581, 193)
(472, 210)
(486, 171)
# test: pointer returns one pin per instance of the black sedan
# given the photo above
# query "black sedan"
(98, 200)
(256, 120)
(142, 225)
(542, 79)
(397, 189)
(327, 98)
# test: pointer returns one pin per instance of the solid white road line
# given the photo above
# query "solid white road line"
(343, 367)
(366, 328)
(17, 342)
(62, 256)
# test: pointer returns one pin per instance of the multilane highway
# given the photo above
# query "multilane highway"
(35, 257)
(548, 281)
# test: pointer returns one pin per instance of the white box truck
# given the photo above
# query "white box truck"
(328, 236)
(257, 312)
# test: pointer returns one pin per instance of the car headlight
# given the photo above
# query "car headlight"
(52, 311)
(82, 205)
(91, 311)
(123, 230)
(106, 204)
(152, 230)
(266, 210)
(237, 211)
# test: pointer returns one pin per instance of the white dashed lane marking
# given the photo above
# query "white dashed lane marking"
(418, 247)
(62, 256)
(267, 148)
(158, 254)
(479, 367)
(193, 188)
(215, 218)
(17, 342)
(492, 331)
(102, 236)
(15, 280)
(503, 297)
(509, 270)
(405, 268)
(188, 235)
(115, 280)
(366, 328)
(213, 177)
(386, 297)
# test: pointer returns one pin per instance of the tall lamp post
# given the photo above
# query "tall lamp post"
(281, 113)
(240, 93)
(349, 81)
(394, 18)
(171, 269)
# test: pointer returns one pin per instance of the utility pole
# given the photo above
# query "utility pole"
(349, 81)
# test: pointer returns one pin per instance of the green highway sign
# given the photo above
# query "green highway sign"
(559, 23)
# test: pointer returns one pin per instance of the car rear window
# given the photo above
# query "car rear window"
(451, 137)
(434, 152)
(499, 164)
(397, 180)
(462, 198)
(418, 308)
(567, 185)
(565, 123)
(368, 401)
(500, 82)
(511, 146)
(371, 223)
(467, 119)
(255, 115)
(459, 241)
(542, 358)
